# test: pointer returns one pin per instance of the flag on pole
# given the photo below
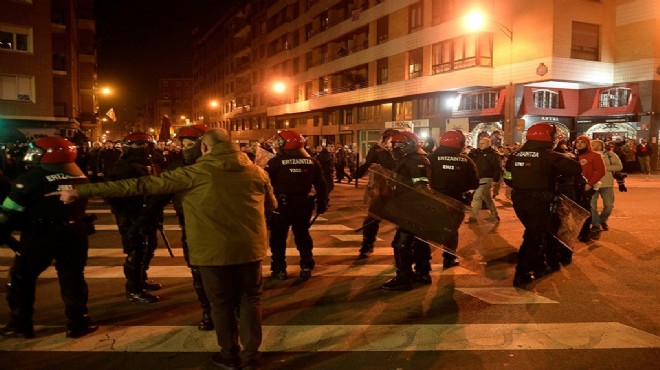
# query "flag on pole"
(111, 113)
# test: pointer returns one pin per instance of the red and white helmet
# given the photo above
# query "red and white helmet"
(51, 150)
(192, 132)
(288, 140)
(453, 139)
(542, 132)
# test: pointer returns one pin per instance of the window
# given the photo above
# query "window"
(615, 97)
(403, 110)
(15, 38)
(382, 70)
(463, 52)
(415, 63)
(18, 88)
(362, 114)
(415, 17)
(309, 61)
(309, 31)
(429, 107)
(584, 41)
(325, 21)
(546, 99)
(479, 100)
(382, 29)
(296, 65)
(444, 11)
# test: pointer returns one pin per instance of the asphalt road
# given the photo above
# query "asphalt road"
(600, 312)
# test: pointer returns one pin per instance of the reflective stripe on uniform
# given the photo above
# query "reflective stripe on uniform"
(419, 179)
(10, 205)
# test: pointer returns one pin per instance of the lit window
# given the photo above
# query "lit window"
(546, 99)
(415, 17)
(415, 63)
(615, 97)
(479, 100)
(463, 52)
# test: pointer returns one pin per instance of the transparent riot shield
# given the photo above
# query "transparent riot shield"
(431, 216)
(568, 219)
(262, 156)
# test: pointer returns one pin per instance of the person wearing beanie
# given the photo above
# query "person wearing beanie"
(454, 174)
(593, 170)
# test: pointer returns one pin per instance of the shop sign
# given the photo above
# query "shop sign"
(407, 125)
(606, 119)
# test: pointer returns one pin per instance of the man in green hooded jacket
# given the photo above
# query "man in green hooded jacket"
(225, 198)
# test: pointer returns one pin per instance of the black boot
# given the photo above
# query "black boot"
(80, 327)
(141, 297)
(206, 323)
(366, 250)
(16, 329)
(397, 284)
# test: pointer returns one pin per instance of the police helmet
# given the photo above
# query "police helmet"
(51, 150)
(542, 132)
(404, 143)
(288, 140)
(453, 139)
(193, 132)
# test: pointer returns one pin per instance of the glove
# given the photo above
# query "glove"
(623, 188)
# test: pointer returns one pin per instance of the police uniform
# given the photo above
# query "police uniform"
(453, 174)
(292, 175)
(50, 231)
(381, 156)
(412, 167)
(137, 220)
(532, 172)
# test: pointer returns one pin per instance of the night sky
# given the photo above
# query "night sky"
(141, 40)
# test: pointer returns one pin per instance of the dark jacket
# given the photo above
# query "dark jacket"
(489, 163)
(452, 173)
(224, 197)
(376, 155)
(536, 167)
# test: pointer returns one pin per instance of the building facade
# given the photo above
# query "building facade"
(347, 69)
(174, 103)
(48, 66)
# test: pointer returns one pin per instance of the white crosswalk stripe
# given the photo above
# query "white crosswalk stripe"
(354, 338)
(331, 338)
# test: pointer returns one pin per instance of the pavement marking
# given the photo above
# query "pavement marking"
(161, 251)
(112, 272)
(114, 227)
(166, 211)
(351, 338)
(506, 295)
(353, 238)
(315, 227)
(329, 227)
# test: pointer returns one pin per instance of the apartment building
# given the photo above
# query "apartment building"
(347, 69)
(48, 66)
(174, 104)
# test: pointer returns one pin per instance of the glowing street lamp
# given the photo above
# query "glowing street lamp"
(279, 87)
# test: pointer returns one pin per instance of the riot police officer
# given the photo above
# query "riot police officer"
(378, 154)
(413, 167)
(137, 217)
(191, 138)
(532, 172)
(293, 173)
(454, 174)
(50, 231)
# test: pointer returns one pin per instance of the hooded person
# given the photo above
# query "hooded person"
(593, 170)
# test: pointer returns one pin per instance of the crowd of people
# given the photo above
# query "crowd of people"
(277, 186)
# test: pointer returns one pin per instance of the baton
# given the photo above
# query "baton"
(165, 240)
(314, 219)
(365, 225)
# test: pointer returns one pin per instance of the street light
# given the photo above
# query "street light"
(475, 21)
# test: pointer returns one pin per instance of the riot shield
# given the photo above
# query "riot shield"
(262, 156)
(567, 222)
(430, 215)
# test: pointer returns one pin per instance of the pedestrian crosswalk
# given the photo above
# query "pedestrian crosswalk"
(366, 333)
